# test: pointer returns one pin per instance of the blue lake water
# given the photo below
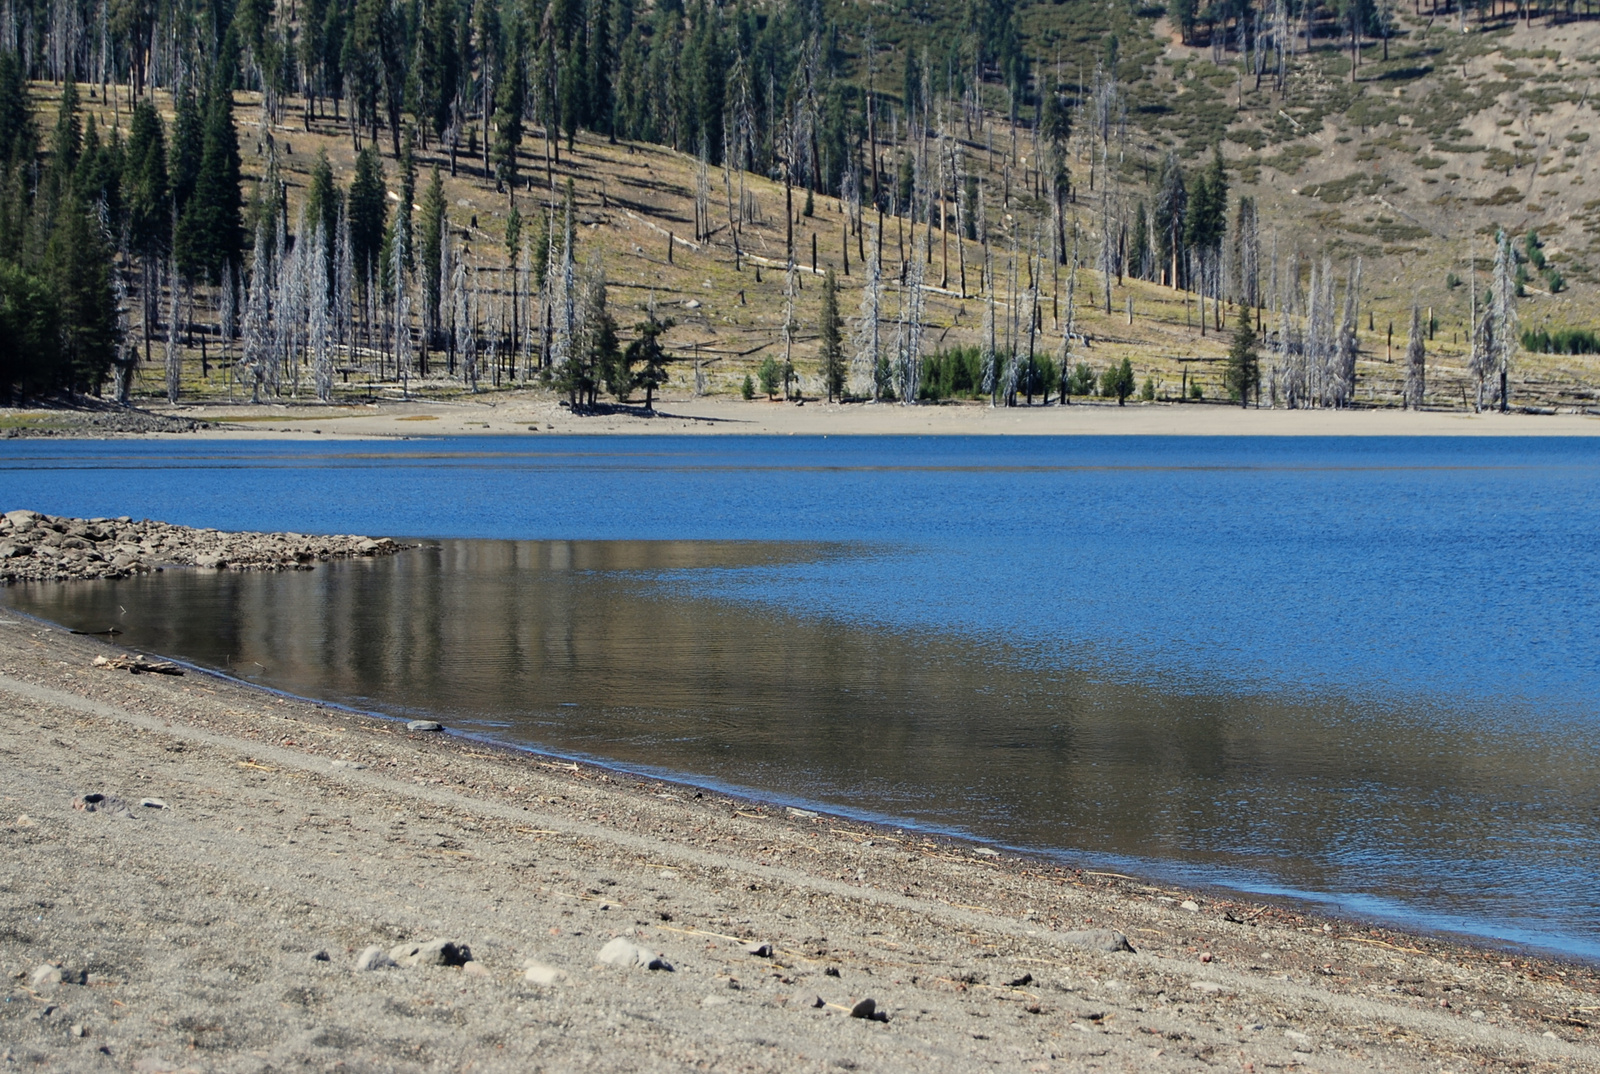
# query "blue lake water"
(1358, 671)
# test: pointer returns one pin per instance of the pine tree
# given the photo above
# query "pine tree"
(829, 344)
(368, 201)
(79, 263)
(432, 242)
(17, 134)
(647, 352)
(211, 226)
(1243, 371)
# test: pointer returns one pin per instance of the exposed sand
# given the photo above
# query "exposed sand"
(290, 829)
(513, 413)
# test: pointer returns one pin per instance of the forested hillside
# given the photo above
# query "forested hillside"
(1019, 201)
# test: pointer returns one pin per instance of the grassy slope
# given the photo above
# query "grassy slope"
(1409, 168)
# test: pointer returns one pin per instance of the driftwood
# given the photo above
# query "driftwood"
(137, 664)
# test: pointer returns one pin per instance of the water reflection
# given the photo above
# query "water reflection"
(603, 649)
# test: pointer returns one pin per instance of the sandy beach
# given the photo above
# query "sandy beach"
(532, 413)
(210, 911)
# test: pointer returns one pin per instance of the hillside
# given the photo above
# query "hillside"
(1412, 167)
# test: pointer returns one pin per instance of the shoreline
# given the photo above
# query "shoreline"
(521, 857)
(532, 414)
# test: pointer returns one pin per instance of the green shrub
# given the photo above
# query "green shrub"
(1561, 341)
(1082, 380)
(770, 375)
(748, 388)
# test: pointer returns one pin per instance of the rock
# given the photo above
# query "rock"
(320, 956)
(77, 1030)
(476, 969)
(95, 802)
(715, 1001)
(868, 1008)
(432, 953)
(1297, 1036)
(987, 852)
(1109, 940)
(803, 814)
(153, 803)
(540, 974)
(760, 950)
(624, 952)
(373, 958)
(45, 977)
(1189, 905)
(1020, 982)
(423, 725)
(22, 519)
(210, 561)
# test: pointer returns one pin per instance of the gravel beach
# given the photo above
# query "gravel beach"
(199, 875)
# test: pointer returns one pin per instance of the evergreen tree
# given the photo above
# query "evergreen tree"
(830, 343)
(368, 201)
(210, 231)
(508, 123)
(647, 352)
(145, 185)
(188, 144)
(322, 201)
(432, 246)
(80, 267)
(17, 134)
(1118, 381)
(30, 333)
(1242, 374)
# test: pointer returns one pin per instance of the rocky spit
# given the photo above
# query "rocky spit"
(35, 548)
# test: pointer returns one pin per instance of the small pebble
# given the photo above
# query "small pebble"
(424, 725)
(319, 956)
(760, 950)
(1190, 905)
(864, 1008)
(540, 974)
(153, 803)
(46, 976)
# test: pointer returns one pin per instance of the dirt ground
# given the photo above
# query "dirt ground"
(218, 927)
(534, 413)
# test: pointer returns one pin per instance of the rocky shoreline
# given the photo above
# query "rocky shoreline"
(282, 885)
(36, 547)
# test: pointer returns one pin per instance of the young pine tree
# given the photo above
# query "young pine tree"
(830, 341)
(1243, 371)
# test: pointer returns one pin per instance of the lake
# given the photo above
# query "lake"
(1357, 672)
